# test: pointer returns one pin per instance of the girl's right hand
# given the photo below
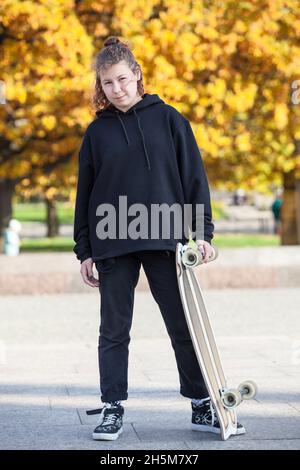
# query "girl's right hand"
(87, 274)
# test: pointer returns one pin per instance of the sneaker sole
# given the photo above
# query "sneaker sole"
(106, 437)
(205, 428)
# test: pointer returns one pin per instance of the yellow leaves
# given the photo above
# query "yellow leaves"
(225, 64)
(289, 149)
(48, 122)
(145, 48)
(199, 112)
(208, 32)
(217, 89)
(288, 165)
(281, 113)
(229, 43)
(243, 142)
(192, 95)
(263, 167)
(243, 98)
(164, 69)
(240, 27)
(212, 140)
(15, 91)
(51, 192)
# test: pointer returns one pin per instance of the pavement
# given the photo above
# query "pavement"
(50, 273)
(49, 372)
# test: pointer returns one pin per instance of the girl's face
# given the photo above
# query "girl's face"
(119, 84)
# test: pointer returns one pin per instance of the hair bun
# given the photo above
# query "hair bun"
(111, 41)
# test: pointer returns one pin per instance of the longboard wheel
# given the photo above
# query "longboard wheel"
(248, 389)
(231, 398)
(191, 258)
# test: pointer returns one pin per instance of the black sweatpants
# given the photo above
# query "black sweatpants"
(118, 278)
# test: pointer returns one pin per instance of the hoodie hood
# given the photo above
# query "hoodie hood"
(111, 112)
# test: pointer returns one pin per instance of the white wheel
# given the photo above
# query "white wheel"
(248, 389)
(190, 258)
(231, 398)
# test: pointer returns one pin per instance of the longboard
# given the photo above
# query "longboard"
(224, 400)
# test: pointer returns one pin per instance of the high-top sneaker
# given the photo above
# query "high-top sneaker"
(204, 418)
(110, 424)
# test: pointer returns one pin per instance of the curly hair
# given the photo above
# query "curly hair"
(113, 52)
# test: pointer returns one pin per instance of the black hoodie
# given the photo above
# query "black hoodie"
(148, 154)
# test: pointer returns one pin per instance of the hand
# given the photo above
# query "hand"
(87, 274)
(205, 248)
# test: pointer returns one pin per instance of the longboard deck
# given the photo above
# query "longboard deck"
(204, 343)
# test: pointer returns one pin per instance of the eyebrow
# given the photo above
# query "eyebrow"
(105, 79)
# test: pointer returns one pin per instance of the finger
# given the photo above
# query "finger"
(202, 250)
(207, 254)
(92, 279)
(85, 276)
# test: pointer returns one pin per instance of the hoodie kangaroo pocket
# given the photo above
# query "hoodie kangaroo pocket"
(105, 265)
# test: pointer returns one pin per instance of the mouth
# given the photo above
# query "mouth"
(120, 97)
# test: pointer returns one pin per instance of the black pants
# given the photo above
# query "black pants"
(118, 278)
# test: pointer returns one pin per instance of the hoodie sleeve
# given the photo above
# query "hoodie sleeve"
(85, 180)
(193, 176)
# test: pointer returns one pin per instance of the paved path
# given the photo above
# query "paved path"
(49, 372)
(49, 273)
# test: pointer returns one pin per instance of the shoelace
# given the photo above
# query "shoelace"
(94, 412)
(108, 418)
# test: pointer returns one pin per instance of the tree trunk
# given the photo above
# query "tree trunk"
(290, 210)
(52, 220)
(7, 188)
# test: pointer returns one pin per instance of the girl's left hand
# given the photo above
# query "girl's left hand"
(205, 248)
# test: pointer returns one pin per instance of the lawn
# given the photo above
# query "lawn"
(221, 241)
(36, 212)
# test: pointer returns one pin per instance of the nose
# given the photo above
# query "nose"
(116, 89)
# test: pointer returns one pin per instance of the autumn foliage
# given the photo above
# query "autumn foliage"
(228, 66)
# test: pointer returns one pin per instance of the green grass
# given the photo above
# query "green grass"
(46, 244)
(222, 241)
(240, 240)
(36, 212)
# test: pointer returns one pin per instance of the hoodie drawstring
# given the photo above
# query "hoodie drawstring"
(144, 145)
(141, 132)
(124, 128)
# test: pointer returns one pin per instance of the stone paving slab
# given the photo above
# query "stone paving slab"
(255, 267)
(49, 372)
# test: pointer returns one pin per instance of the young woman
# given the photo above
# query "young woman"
(143, 150)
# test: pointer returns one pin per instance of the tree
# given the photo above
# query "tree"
(229, 67)
(45, 62)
